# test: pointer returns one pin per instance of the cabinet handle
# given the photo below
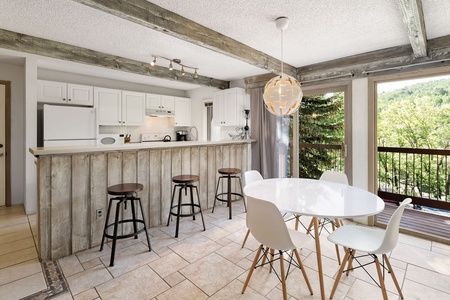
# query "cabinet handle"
(70, 99)
(64, 99)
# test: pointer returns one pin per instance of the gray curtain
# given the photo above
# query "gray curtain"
(263, 128)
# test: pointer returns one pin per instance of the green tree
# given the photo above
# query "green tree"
(321, 121)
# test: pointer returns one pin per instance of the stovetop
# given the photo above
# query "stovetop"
(155, 137)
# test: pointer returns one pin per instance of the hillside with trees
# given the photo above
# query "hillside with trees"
(416, 116)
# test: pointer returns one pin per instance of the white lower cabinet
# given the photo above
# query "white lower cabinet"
(182, 111)
(116, 107)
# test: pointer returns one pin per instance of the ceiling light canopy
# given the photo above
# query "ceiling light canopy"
(175, 61)
(282, 94)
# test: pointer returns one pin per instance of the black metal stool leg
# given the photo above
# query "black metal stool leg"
(229, 195)
(192, 201)
(171, 204)
(200, 207)
(215, 196)
(145, 225)
(242, 194)
(133, 213)
(116, 225)
(179, 210)
(106, 222)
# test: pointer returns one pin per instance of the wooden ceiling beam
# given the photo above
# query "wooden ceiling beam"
(415, 25)
(34, 45)
(385, 61)
(155, 17)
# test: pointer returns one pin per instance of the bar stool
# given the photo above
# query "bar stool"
(229, 173)
(125, 192)
(184, 182)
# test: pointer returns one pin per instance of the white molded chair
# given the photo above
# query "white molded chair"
(337, 177)
(249, 177)
(371, 241)
(269, 228)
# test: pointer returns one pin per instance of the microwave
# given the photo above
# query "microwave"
(110, 139)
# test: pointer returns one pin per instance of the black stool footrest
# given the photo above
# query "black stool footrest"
(124, 236)
(186, 205)
(239, 197)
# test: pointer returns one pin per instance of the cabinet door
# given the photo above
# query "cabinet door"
(168, 102)
(218, 119)
(133, 108)
(108, 104)
(229, 107)
(80, 94)
(52, 92)
(182, 111)
(152, 101)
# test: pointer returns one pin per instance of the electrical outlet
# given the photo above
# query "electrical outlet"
(99, 213)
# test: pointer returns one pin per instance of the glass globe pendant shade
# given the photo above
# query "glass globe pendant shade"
(282, 95)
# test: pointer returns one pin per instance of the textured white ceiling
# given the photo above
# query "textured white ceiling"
(318, 31)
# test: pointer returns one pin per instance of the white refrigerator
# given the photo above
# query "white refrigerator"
(69, 126)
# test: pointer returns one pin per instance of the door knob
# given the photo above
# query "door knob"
(1, 145)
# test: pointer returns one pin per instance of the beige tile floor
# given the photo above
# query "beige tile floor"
(207, 265)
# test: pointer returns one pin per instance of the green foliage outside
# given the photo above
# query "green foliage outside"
(321, 121)
(416, 116)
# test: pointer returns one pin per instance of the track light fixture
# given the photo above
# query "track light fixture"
(175, 61)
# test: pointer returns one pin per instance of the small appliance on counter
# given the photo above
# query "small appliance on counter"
(111, 139)
(155, 137)
(182, 135)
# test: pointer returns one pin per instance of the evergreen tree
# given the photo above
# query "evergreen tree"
(321, 121)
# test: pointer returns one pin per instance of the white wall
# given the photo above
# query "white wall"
(197, 99)
(360, 154)
(16, 74)
(30, 134)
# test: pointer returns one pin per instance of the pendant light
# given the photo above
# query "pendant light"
(282, 94)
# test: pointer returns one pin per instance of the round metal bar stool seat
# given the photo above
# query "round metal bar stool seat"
(124, 193)
(229, 173)
(185, 182)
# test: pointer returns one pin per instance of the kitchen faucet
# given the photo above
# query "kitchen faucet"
(196, 132)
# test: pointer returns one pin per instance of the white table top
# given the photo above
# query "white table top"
(317, 198)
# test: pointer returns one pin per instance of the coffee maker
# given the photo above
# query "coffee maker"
(182, 135)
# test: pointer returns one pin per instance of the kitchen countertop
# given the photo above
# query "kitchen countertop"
(42, 151)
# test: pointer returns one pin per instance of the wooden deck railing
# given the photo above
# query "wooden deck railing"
(422, 174)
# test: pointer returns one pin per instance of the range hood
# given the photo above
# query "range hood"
(159, 113)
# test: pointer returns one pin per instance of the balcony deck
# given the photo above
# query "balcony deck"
(419, 222)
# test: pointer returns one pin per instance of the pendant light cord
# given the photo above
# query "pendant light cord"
(282, 52)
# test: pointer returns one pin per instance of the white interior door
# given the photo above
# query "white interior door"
(2, 146)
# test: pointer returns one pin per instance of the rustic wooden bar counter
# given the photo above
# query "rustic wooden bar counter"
(72, 184)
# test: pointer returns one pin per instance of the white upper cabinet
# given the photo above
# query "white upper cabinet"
(182, 111)
(154, 101)
(133, 108)
(65, 93)
(228, 107)
(116, 107)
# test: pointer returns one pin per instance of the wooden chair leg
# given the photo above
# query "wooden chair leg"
(250, 272)
(310, 226)
(350, 263)
(272, 254)
(303, 270)
(296, 222)
(338, 255)
(283, 278)
(245, 239)
(380, 278)
(393, 275)
(348, 254)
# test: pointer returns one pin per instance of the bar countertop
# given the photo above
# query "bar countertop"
(43, 151)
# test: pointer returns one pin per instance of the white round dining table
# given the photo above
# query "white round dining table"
(318, 199)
